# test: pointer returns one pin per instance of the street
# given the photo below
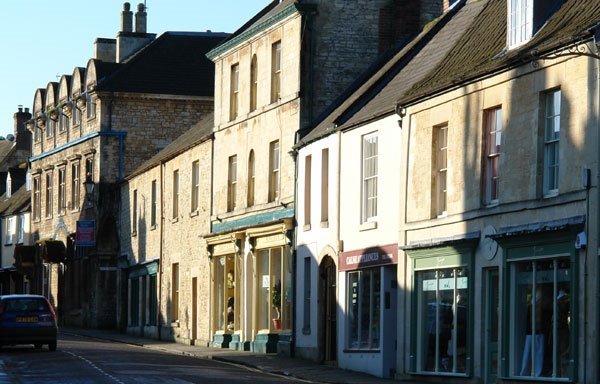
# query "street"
(85, 360)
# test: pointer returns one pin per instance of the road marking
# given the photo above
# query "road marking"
(95, 367)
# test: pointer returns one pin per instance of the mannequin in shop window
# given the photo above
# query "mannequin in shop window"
(535, 343)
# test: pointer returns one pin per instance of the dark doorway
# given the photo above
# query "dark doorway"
(327, 310)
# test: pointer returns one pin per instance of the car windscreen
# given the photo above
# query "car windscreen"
(25, 305)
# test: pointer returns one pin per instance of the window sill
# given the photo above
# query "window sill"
(133, 234)
(153, 227)
(550, 194)
(324, 224)
(442, 215)
(362, 350)
(175, 324)
(8, 244)
(306, 227)
(367, 226)
(194, 213)
(491, 204)
(174, 220)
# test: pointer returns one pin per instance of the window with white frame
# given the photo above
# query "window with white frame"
(134, 209)
(175, 193)
(62, 191)
(274, 171)
(307, 188)
(232, 183)
(440, 164)
(325, 185)
(10, 230)
(520, 22)
(551, 141)
(251, 173)
(154, 204)
(37, 202)
(253, 83)
(8, 185)
(369, 177)
(75, 185)
(364, 306)
(64, 123)
(21, 229)
(275, 71)
(195, 185)
(49, 194)
(493, 139)
(234, 92)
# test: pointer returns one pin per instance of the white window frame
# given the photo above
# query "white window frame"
(75, 185)
(276, 71)
(441, 169)
(195, 186)
(274, 164)
(49, 197)
(552, 100)
(175, 194)
(232, 184)
(21, 229)
(519, 23)
(234, 92)
(10, 230)
(492, 128)
(369, 175)
(62, 190)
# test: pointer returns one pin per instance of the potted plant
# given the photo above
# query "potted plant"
(276, 302)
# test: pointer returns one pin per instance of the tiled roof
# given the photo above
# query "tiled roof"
(19, 201)
(174, 64)
(482, 49)
(6, 149)
(198, 133)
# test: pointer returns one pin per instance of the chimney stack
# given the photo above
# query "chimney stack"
(126, 18)
(22, 135)
(140, 19)
(128, 42)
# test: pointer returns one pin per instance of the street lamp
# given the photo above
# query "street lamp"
(89, 189)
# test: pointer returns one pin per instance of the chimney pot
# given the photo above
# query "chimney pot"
(140, 19)
(126, 18)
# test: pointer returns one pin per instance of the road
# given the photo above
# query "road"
(80, 360)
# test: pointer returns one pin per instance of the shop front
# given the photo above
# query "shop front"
(368, 290)
(251, 294)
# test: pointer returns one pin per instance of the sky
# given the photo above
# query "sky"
(41, 40)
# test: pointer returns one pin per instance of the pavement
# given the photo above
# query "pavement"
(298, 368)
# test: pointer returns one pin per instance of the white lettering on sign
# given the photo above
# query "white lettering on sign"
(366, 258)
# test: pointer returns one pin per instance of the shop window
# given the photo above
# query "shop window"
(134, 308)
(152, 300)
(540, 314)
(175, 292)
(442, 320)
(227, 272)
(274, 291)
(364, 309)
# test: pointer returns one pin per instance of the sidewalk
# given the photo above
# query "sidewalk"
(272, 363)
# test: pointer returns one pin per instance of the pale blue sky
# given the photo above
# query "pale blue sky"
(40, 40)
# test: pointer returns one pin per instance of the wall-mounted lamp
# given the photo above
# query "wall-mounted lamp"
(89, 189)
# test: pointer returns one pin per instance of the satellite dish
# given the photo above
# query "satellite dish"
(10, 137)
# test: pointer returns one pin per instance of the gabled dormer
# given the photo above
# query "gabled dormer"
(526, 17)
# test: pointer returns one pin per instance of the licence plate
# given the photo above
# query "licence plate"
(27, 319)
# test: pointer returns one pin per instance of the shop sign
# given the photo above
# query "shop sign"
(369, 257)
(86, 233)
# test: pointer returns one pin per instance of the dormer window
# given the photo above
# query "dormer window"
(520, 22)
(8, 186)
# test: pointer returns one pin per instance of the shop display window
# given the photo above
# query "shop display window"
(364, 309)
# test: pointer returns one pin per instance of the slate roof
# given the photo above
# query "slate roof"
(197, 134)
(482, 49)
(173, 64)
(6, 149)
(466, 43)
(19, 201)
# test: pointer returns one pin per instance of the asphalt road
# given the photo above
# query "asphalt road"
(81, 360)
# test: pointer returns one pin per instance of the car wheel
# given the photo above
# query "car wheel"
(37, 345)
(52, 346)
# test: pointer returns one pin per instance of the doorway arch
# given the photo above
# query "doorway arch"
(327, 312)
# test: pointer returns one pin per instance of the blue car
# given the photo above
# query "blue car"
(27, 319)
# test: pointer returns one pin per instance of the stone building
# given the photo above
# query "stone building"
(274, 77)
(91, 129)
(165, 212)
(15, 272)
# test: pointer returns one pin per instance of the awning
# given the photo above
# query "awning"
(52, 251)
